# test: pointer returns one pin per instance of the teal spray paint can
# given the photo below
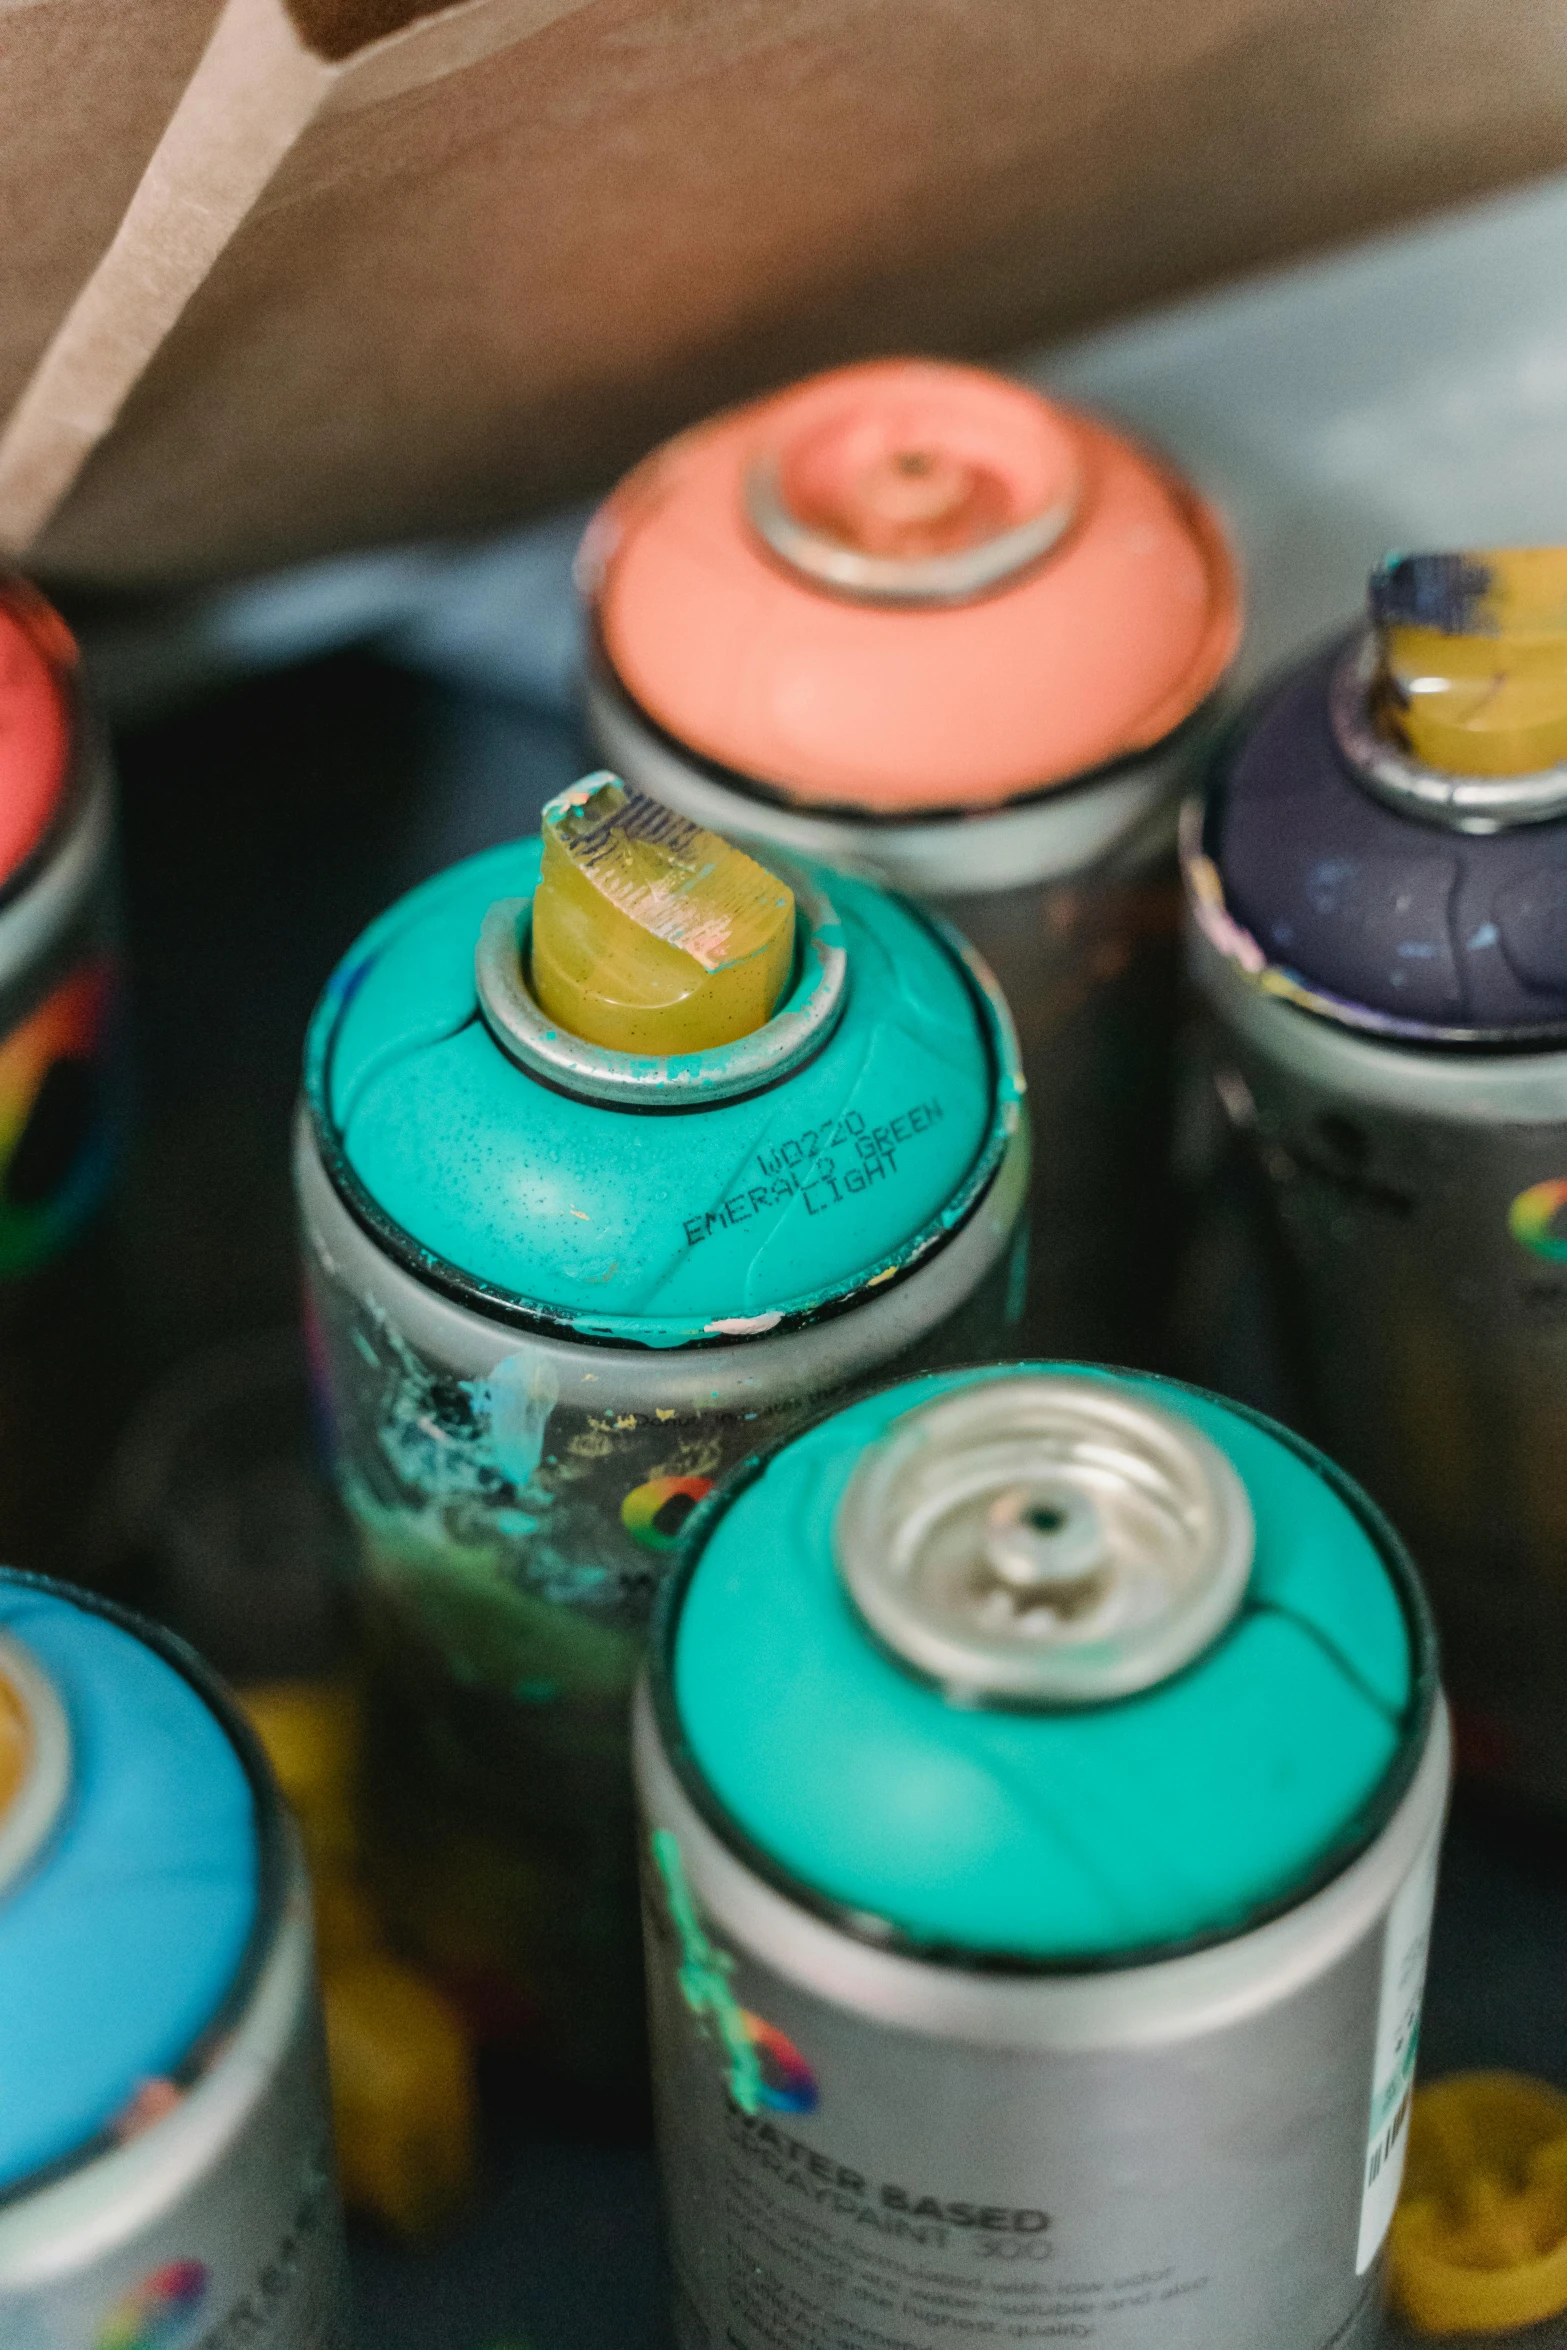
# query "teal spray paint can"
(166, 2163)
(1042, 1772)
(558, 1290)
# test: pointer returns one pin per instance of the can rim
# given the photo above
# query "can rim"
(433, 1271)
(1358, 1833)
(271, 1859)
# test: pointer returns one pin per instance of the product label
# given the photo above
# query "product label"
(1406, 1941)
(835, 2184)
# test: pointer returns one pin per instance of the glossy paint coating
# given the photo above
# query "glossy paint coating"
(123, 1938)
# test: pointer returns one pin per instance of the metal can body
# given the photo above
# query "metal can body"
(517, 1489)
(1413, 1155)
(1196, 2149)
(211, 2201)
(999, 729)
(1413, 1196)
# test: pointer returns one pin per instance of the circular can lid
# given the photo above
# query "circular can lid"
(36, 651)
(553, 1188)
(1329, 895)
(1263, 1661)
(911, 586)
(125, 1922)
(1479, 2238)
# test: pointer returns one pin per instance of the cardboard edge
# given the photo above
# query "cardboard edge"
(253, 92)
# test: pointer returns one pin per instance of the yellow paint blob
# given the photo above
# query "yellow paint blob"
(1479, 2239)
(1474, 657)
(651, 935)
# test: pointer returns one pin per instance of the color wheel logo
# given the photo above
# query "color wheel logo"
(654, 1514)
(1537, 1220)
(154, 2316)
(788, 2083)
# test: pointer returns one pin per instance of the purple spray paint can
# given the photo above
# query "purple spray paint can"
(1383, 938)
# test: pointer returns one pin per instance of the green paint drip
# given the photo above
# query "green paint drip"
(704, 1976)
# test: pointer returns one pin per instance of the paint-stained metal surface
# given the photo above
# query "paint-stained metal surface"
(1391, 996)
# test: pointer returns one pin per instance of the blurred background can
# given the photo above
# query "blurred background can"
(165, 2146)
(555, 1292)
(57, 1032)
(915, 621)
(1383, 947)
(55, 938)
(1043, 1773)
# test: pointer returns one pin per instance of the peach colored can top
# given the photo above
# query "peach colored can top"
(36, 648)
(911, 586)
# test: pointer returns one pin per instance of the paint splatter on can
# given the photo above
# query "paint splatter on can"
(556, 1290)
(165, 2146)
(914, 621)
(1382, 939)
(1042, 1773)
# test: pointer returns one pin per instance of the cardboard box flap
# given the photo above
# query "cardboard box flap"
(474, 266)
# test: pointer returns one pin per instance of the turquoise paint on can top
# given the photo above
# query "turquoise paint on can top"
(123, 1938)
(1080, 1836)
(645, 1228)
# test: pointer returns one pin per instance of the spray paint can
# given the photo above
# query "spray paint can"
(56, 1027)
(55, 975)
(914, 621)
(165, 2147)
(557, 1290)
(1381, 939)
(1042, 1774)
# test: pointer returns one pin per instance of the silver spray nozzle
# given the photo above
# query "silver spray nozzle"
(1045, 1540)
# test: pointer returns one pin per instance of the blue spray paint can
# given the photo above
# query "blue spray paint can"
(165, 2142)
(1042, 1772)
(1383, 941)
(556, 1291)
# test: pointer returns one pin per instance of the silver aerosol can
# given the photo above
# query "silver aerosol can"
(1042, 1772)
(915, 621)
(557, 1288)
(1382, 934)
(166, 2166)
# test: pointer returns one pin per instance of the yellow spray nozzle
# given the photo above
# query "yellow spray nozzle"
(1474, 657)
(651, 935)
(1479, 2239)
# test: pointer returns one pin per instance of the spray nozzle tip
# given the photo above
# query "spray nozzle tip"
(652, 935)
(1473, 657)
